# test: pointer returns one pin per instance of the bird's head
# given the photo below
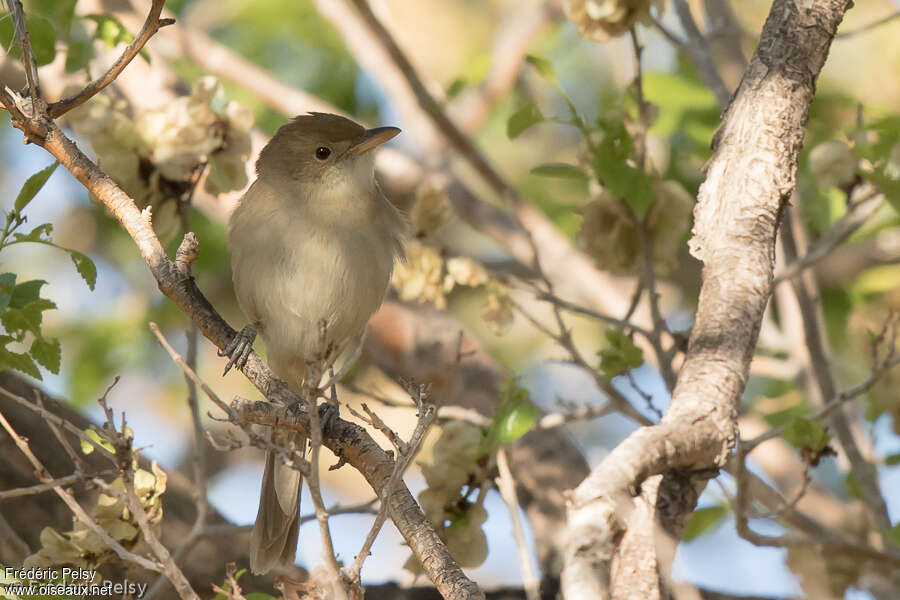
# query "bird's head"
(322, 149)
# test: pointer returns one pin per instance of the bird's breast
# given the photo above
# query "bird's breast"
(291, 275)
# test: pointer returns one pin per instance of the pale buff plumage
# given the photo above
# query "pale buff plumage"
(311, 240)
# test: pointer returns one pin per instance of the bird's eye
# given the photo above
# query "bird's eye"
(322, 152)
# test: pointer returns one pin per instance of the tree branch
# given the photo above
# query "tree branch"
(28, 60)
(74, 506)
(826, 387)
(152, 24)
(749, 177)
(343, 438)
(698, 51)
(869, 26)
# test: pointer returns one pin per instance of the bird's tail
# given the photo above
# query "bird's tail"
(273, 541)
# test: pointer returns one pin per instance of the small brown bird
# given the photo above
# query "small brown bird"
(313, 240)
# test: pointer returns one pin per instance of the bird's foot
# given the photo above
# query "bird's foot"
(239, 348)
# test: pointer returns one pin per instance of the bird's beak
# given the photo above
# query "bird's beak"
(371, 138)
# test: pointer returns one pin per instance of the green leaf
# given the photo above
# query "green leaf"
(515, 415)
(560, 170)
(47, 353)
(40, 33)
(43, 39)
(542, 66)
(629, 184)
(703, 520)
(111, 31)
(258, 596)
(19, 362)
(7, 286)
(636, 188)
(782, 417)
(892, 460)
(59, 12)
(455, 87)
(806, 433)
(35, 235)
(687, 106)
(522, 119)
(78, 55)
(620, 356)
(86, 267)
(87, 447)
(27, 318)
(33, 185)
(25, 292)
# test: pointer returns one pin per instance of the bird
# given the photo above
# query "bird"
(313, 243)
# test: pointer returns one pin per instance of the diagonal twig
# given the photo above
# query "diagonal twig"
(73, 504)
(869, 26)
(151, 25)
(507, 486)
(28, 60)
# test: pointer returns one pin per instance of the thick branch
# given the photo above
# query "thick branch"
(749, 178)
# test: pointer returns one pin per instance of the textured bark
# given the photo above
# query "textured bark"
(749, 179)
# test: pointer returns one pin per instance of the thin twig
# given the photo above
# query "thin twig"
(507, 486)
(649, 273)
(648, 399)
(824, 383)
(868, 27)
(827, 541)
(664, 359)
(312, 479)
(635, 300)
(667, 33)
(74, 506)
(169, 568)
(53, 483)
(638, 83)
(619, 401)
(698, 51)
(189, 372)
(455, 136)
(199, 459)
(151, 25)
(50, 417)
(19, 547)
(582, 310)
(849, 394)
(77, 460)
(410, 449)
(9, 103)
(28, 59)
(859, 211)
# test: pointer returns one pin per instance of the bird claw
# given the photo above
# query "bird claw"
(239, 348)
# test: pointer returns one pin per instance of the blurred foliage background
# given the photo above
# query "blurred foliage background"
(103, 332)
